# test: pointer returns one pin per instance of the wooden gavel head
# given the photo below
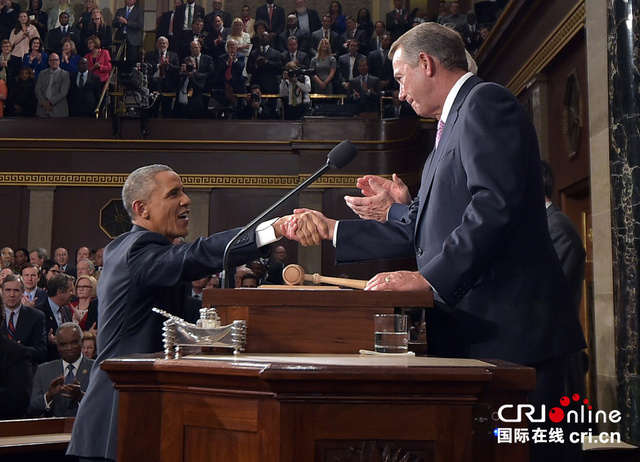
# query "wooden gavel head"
(293, 275)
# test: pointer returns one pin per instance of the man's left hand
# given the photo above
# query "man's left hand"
(402, 281)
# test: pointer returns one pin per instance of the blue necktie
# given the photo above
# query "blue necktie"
(69, 379)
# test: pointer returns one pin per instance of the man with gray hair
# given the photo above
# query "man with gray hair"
(85, 267)
(142, 270)
(38, 255)
(60, 385)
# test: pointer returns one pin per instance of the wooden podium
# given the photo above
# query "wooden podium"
(298, 320)
(302, 393)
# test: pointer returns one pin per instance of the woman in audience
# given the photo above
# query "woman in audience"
(21, 34)
(86, 16)
(259, 27)
(365, 24)
(49, 269)
(9, 64)
(99, 59)
(247, 21)
(69, 57)
(37, 59)
(89, 348)
(338, 20)
(85, 309)
(324, 65)
(98, 28)
(22, 101)
(38, 18)
(243, 40)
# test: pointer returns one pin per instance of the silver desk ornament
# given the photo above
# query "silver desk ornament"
(208, 332)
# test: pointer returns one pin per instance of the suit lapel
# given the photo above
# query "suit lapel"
(431, 165)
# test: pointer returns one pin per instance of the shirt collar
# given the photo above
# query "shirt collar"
(451, 97)
(76, 365)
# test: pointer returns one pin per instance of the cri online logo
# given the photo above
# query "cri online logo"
(557, 414)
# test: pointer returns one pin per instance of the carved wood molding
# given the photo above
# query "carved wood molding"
(572, 24)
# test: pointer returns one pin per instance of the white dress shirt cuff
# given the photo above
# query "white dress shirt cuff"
(265, 234)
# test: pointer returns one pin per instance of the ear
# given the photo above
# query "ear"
(140, 209)
(427, 63)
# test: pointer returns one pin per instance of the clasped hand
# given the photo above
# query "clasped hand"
(308, 227)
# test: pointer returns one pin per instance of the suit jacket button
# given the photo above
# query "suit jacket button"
(419, 252)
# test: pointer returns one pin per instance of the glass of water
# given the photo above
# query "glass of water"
(391, 333)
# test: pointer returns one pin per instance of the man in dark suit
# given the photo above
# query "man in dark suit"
(229, 69)
(163, 75)
(308, 19)
(352, 33)
(293, 30)
(375, 43)
(295, 55)
(23, 324)
(265, 66)
(128, 23)
(196, 33)
(217, 11)
(165, 27)
(183, 19)
(56, 36)
(143, 269)
(214, 43)
(56, 310)
(325, 32)
(274, 16)
(84, 93)
(364, 90)
(380, 65)
(204, 65)
(348, 66)
(397, 20)
(189, 89)
(477, 229)
(33, 295)
(59, 385)
(397, 109)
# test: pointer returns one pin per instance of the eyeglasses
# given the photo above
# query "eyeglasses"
(84, 287)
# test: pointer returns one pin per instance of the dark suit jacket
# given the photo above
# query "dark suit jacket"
(172, 69)
(279, 20)
(303, 40)
(395, 26)
(568, 244)
(162, 29)
(60, 406)
(16, 379)
(209, 20)
(343, 69)
(405, 111)
(384, 71)
(178, 19)
(479, 234)
(142, 270)
(195, 105)
(315, 22)
(366, 102)
(30, 332)
(344, 38)
(50, 324)
(303, 59)
(237, 80)
(207, 67)
(135, 22)
(55, 36)
(334, 41)
(40, 296)
(267, 74)
(83, 102)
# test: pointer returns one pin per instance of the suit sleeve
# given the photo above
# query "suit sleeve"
(15, 395)
(39, 338)
(37, 405)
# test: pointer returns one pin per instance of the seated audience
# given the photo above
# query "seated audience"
(275, 265)
(48, 269)
(295, 88)
(32, 295)
(16, 375)
(37, 59)
(52, 87)
(324, 67)
(22, 101)
(56, 309)
(249, 281)
(89, 345)
(59, 385)
(98, 58)
(21, 34)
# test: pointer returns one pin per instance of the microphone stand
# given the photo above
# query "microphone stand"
(256, 221)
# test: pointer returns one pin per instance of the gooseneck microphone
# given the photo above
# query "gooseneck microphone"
(340, 156)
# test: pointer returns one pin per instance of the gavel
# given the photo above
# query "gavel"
(294, 275)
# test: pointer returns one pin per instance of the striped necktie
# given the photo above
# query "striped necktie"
(11, 329)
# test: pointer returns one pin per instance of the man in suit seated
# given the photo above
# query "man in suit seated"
(56, 36)
(364, 90)
(163, 74)
(56, 310)
(253, 107)
(23, 324)
(52, 88)
(293, 54)
(84, 93)
(398, 109)
(60, 385)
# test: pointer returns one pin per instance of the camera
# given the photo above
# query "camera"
(255, 97)
(190, 67)
(297, 73)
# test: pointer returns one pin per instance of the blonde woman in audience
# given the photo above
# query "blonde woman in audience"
(9, 64)
(97, 27)
(69, 57)
(21, 35)
(85, 309)
(324, 65)
(89, 348)
(242, 38)
(85, 17)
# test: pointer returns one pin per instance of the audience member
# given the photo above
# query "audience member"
(352, 33)
(61, 256)
(204, 65)
(23, 324)
(21, 257)
(365, 24)
(348, 65)
(183, 21)
(85, 309)
(197, 34)
(292, 30)
(89, 346)
(4, 92)
(323, 67)
(85, 17)
(230, 68)
(247, 21)
(57, 36)
(59, 385)
(9, 64)
(38, 18)
(22, 101)
(48, 269)
(216, 40)
(381, 66)
(364, 90)
(443, 10)
(308, 19)
(457, 20)
(96, 28)
(8, 16)
(295, 88)
(379, 31)
(249, 281)
(69, 58)
(98, 260)
(38, 256)
(474, 39)
(265, 66)
(21, 34)
(36, 59)
(397, 20)
(242, 38)
(259, 269)
(85, 267)
(167, 28)
(98, 59)
(82, 252)
(294, 55)
(275, 265)
(163, 76)
(326, 33)
(338, 20)
(274, 16)
(189, 104)
(217, 11)
(52, 88)
(54, 14)
(254, 107)
(32, 295)
(84, 93)
(56, 310)
(6, 257)
(259, 27)
(397, 109)
(128, 22)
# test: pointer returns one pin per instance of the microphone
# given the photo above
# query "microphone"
(340, 156)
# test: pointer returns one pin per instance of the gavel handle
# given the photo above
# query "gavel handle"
(352, 283)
